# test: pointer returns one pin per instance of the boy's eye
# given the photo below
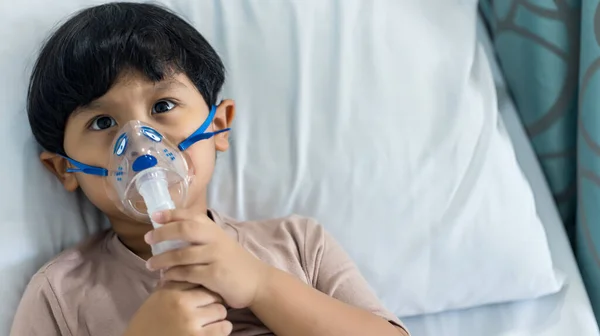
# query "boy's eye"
(102, 123)
(163, 106)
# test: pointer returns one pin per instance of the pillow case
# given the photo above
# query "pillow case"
(39, 218)
(379, 119)
(376, 118)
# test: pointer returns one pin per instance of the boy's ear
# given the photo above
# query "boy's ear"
(223, 119)
(58, 165)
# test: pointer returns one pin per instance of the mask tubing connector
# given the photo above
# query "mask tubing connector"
(154, 188)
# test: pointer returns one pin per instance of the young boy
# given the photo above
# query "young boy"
(121, 65)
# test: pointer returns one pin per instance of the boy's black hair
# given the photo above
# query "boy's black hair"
(83, 58)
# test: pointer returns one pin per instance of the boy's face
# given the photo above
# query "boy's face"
(173, 106)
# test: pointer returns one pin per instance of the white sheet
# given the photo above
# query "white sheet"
(566, 313)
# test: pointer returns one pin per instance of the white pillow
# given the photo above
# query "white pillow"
(362, 114)
(39, 218)
(379, 119)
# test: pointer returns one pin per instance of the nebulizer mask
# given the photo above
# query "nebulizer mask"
(146, 173)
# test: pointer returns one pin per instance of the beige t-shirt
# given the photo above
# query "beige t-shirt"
(96, 288)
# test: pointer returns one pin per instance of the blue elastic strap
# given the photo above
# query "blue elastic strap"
(185, 144)
(83, 168)
(200, 134)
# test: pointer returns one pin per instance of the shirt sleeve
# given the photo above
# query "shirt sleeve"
(39, 312)
(332, 272)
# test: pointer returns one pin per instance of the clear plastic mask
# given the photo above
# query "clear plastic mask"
(140, 153)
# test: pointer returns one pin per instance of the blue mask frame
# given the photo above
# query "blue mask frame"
(198, 135)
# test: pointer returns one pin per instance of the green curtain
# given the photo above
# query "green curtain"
(549, 51)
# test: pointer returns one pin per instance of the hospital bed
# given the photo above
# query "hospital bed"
(566, 313)
(32, 235)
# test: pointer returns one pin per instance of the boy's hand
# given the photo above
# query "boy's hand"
(214, 260)
(180, 309)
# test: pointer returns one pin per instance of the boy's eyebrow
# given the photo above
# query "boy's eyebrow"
(94, 105)
(169, 84)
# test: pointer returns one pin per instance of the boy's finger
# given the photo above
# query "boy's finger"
(178, 285)
(197, 295)
(197, 274)
(201, 297)
(166, 216)
(221, 328)
(211, 313)
(195, 254)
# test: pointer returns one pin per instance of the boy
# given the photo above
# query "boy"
(121, 65)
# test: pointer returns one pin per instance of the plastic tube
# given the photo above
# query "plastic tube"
(154, 188)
